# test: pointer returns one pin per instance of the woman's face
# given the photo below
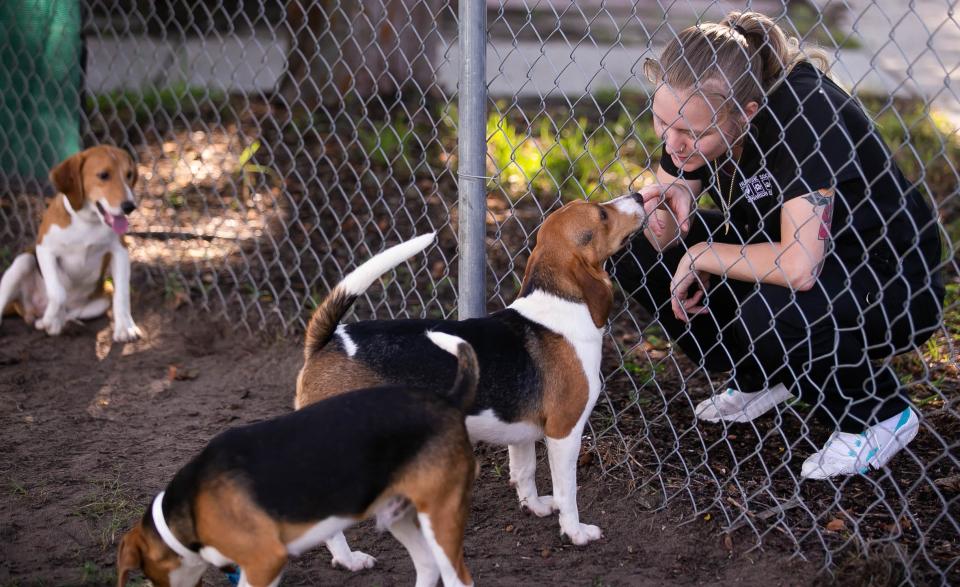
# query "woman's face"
(690, 127)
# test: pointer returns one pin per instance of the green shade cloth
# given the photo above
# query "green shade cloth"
(40, 77)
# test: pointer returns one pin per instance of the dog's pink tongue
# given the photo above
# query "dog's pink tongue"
(119, 224)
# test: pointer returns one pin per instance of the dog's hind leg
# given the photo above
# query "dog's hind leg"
(405, 530)
(19, 270)
(353, 560)
(92, 309)
(523, 471)
(443, 525)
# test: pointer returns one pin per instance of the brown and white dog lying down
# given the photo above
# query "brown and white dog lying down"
(261, 493)
(79, 241)
(539, 358)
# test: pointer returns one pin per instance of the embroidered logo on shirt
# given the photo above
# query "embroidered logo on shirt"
(758, 186)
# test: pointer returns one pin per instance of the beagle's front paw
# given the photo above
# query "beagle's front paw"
(51, 323)
(355, 561)
(583, 533)
(126, 332)
(540, 506)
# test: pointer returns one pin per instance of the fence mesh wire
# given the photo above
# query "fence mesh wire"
(279, 144)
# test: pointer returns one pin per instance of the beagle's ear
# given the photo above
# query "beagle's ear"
(67, 179)
(134, 171)
(134, 174)
(129, 557)
(596, 288)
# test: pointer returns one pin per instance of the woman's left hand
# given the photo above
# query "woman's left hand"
(686, 305)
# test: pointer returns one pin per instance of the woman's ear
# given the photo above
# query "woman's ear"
(750, 110)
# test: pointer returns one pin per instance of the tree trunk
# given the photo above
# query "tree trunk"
(343, 49)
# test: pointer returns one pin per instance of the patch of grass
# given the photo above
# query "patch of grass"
(38, 494)
(392, 144)
(248, 170)
(924, 144)
(110, 507)
(820, 27)
(6, 257)
(143, 105)
(574, 159)
(172, 288)
(93, 574)
(951, 304)
(644, 372)
(16, 488)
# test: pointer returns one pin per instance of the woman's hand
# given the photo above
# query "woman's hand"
(678, 201)
(684, 304)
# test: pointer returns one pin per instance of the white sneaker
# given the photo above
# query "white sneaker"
(847, 454)
(737, 406)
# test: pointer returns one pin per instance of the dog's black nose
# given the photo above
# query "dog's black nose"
(128, 207)
(637, 197)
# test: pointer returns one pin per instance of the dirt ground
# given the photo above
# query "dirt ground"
(92, 430)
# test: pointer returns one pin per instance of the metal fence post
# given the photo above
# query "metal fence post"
(472, 145)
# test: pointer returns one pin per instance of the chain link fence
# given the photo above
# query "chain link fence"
(281, 143)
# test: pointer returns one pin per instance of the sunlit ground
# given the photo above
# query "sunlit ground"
(200, 198)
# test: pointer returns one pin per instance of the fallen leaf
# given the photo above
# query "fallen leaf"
(545, 553)
(177, 373)
(509, 528)
(836, 525)
(585, 459)
(728, 543)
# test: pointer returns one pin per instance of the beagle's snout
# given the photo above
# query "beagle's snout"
(127, 207)
(637, 197)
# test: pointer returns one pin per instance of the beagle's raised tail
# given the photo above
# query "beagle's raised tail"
(328, 315)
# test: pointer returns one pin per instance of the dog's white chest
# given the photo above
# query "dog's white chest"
(573, 321)
(79, 250)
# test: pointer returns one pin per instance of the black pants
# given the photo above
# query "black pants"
(828, 344)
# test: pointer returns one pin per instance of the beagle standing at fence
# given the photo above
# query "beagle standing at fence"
(539, 358)
(261, 493)
(80, 240)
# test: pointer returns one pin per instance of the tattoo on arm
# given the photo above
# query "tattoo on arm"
(823, 207)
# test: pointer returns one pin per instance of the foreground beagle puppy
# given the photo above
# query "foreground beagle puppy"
(539, 358)
(81, 238)
(261, 493)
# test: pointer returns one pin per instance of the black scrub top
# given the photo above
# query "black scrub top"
(809, 134)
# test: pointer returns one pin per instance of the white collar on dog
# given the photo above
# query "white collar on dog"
(188, 555)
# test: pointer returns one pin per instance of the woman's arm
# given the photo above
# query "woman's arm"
(794, 262)
(671, 222)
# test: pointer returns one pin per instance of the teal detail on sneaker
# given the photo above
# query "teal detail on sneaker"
(871, 454)
(852, 453)
(730, 391)
(904, 416)
(857, 444)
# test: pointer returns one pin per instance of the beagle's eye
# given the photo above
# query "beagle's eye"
(104, 175)
(129, 176)
(603, 215)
